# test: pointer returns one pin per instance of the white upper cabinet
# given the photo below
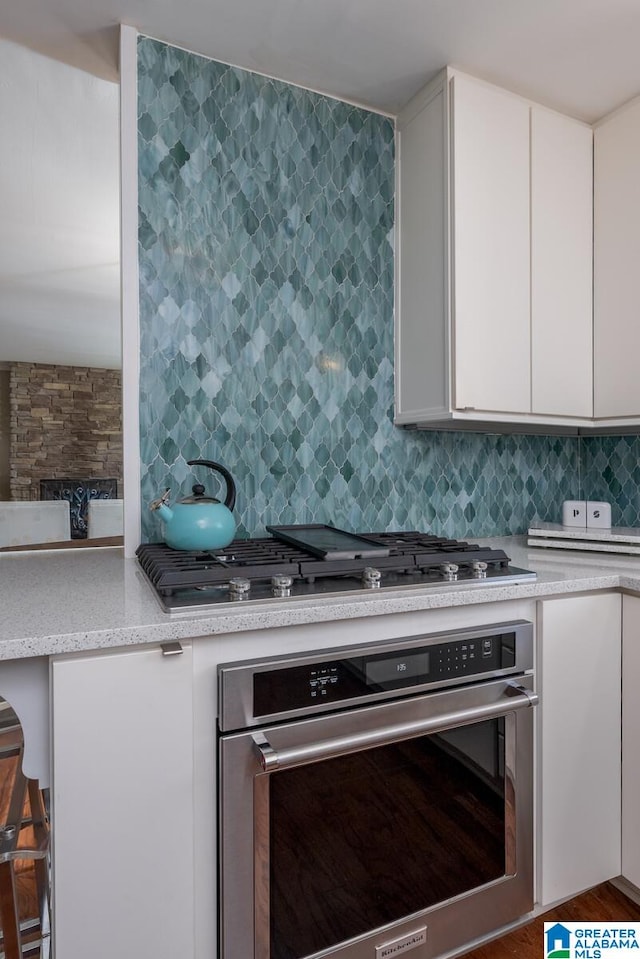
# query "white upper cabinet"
(491, 248)
(422, 295)
(561, 265)
(616, 264)
(494, 281)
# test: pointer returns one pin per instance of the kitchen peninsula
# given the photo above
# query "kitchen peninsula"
(133, 729)
(99, 600)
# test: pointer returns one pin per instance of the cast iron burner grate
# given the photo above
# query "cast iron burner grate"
(258, 560)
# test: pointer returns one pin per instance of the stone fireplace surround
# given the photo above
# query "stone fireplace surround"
(65, 421)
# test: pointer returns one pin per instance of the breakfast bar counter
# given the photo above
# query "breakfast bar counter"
(68, 601)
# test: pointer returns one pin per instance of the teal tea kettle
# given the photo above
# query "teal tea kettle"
(199, 522)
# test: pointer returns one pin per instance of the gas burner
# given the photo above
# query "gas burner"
(268, 569)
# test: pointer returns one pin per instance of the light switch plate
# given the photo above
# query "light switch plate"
(598, 515)
(574, 512)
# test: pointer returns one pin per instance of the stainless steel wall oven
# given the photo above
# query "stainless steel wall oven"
(377, 800)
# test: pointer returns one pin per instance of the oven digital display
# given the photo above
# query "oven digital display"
(396, 670)
(352, 677)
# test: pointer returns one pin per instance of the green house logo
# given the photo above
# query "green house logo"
(558, 942)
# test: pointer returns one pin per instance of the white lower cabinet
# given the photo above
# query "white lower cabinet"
(134, 770)
(631, 740)
(579, 678)
(122, 805)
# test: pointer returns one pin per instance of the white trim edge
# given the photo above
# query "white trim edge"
(129, 285)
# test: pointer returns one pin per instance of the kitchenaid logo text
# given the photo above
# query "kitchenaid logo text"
(392, 949)
(589, 940)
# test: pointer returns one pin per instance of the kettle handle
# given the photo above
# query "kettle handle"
(230, 500)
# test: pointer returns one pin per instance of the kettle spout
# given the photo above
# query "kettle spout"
(161, 506)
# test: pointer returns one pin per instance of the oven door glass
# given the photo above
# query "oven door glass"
(360, 841)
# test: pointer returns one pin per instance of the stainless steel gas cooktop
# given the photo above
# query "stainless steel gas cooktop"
(280, 568)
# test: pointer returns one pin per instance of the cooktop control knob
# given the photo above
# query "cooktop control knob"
(371, 577)
(449, 570)
(239, 588)
(479, 569)
(281, 585)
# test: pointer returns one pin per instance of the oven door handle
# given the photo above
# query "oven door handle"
(514, 696)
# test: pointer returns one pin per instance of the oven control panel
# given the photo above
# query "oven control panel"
(288, 688)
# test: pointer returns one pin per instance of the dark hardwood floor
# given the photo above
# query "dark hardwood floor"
(604, 902)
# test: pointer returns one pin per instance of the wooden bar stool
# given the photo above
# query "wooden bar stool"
(22, 838)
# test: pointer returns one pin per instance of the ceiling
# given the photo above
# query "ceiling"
(59, 273)
(580, 56)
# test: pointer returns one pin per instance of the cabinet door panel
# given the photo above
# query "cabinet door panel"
(579, 714)
(616, 259)
(631, 740)
(491, 248)
(123, 805)
(561, 265)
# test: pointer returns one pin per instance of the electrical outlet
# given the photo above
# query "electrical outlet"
(598, 515)
(574, 512)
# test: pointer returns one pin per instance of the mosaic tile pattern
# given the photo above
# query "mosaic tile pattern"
(611, 472)
(266, 311)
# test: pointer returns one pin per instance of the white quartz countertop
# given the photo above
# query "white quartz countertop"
(71, 601)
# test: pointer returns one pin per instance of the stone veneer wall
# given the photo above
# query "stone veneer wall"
(66, 421)
(4, 434)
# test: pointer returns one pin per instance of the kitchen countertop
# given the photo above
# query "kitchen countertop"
(68, 601)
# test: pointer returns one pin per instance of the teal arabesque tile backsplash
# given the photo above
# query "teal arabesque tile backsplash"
(266, 314)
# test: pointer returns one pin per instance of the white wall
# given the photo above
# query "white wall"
(59, 213)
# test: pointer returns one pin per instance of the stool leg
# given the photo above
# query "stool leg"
(9, 912)
(41, 866)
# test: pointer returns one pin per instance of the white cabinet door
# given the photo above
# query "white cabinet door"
(616, 259)
(123, 805)
(491, 244)
(561, 265)
(631, 740)
(579, 744)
